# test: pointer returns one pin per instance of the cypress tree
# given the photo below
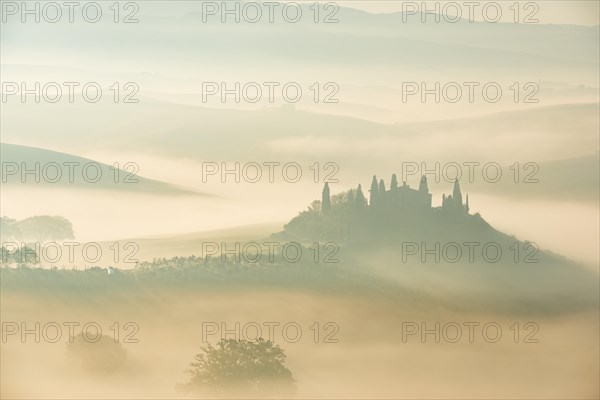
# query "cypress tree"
(360, 199)
(374, 192)
(394, 184)
(423, 185)
(350, 197)
(457, 195)
(381, 188)
(326, 199)
(382, 197)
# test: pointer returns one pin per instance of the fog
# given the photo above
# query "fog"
(394, 131)
(370, 359)
(105, 216)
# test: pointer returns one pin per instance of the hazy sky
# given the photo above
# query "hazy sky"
(579, 12)
(550, 11)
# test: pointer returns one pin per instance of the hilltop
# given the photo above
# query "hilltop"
(392, 216)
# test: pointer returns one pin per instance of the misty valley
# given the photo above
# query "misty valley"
(299, 200)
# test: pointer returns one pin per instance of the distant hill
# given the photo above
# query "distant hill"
(399, 214)
(439, 251)
(280, 133)
(571, 179)
(358, 39)
(67, 171)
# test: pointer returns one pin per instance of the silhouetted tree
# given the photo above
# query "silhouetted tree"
(457, 195)
(315, 206)
(360, 201)
(338, 200)
(381, 189)
(381, 195)
(9, 229)
(374, 192)
(394, 183)
(43, 228)
(351, 196)
(326, 199)
(100, 356)
(242, 367)
(22, 256)
(423, 187)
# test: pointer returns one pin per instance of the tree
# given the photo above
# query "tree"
(242, 367)
(315, 207)
(46, 228)
(22, 256)
(97, 355)
(9, 229)
(351, 196)
(457, 195)
(338, 200)
(374, 192)
(423, 187)
(360, 200)
(382, 197)
(326, 199)
(381, 188)
(394, 183)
